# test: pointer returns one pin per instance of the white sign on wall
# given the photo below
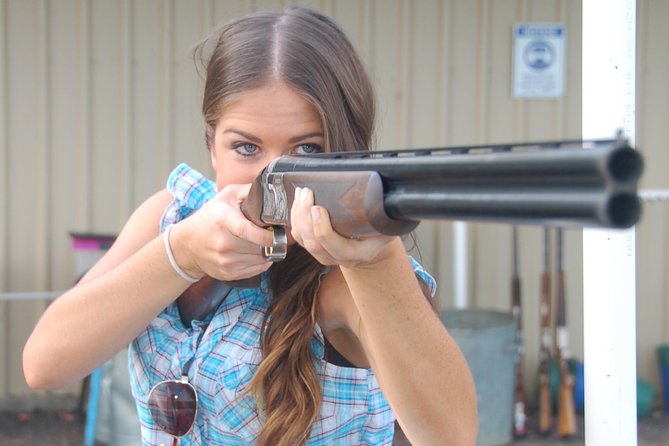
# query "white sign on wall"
(538, 60)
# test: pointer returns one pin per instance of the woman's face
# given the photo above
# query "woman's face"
(259, 126)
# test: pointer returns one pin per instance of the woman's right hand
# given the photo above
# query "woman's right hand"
(219, 241)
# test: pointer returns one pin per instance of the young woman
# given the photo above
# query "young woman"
(338, 340)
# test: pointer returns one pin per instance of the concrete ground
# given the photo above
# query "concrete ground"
(65, 428)
(652, 430)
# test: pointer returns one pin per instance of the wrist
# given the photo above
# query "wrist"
(383, 259)
(178, 258)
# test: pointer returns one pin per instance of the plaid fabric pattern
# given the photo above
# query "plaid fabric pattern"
(190, 190)
(354, 410)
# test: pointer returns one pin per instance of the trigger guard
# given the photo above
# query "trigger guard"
(279, 248)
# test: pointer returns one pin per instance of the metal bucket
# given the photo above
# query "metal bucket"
(488, 341)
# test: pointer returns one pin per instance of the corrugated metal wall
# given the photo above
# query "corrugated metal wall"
(100, 98)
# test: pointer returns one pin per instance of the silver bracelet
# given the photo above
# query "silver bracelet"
(185, 276)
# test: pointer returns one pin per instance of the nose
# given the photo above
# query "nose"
(272, 155)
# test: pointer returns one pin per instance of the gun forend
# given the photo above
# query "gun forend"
(354, 200)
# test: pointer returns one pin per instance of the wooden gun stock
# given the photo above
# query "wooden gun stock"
(566, 421)
(519, 403)
(545, 403)
(545, 400)
(201, 299)
(566, 418)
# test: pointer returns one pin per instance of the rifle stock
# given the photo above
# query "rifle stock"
(566, 417)
(545, 400)
(519, 403)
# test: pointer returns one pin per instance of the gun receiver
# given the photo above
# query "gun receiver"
(559, 183)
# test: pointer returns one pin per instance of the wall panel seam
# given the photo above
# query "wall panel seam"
(44, 126)
(445, 12)
(4, 189)
(406, 118)
(450, 106)
(482, 84)
(519, 106)
(562, 16)
(127, 177)
(168, 27)
(86, 148)
(4, 141)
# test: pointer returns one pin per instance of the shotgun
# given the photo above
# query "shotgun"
(545, 400)
(519, 402)
(566, 416)
(564, 183)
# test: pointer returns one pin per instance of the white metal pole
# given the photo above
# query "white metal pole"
(460, 265)
(609, 312)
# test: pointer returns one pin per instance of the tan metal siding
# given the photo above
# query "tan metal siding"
(652, 139)
(4, 201)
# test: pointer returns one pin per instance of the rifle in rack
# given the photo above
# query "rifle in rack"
(545, 400)
(519, 401)
(563, 183)
(566, 417)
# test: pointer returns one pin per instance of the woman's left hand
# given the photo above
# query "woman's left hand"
(311, 228)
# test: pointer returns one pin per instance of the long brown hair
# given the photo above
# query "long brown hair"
(311, 53)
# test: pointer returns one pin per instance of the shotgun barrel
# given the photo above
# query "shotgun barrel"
(560, 183)
(558, 163)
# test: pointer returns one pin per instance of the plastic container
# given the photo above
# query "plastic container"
(487, 340)
(579, 387)
(663, 360)
(644, 398)
(88, 249)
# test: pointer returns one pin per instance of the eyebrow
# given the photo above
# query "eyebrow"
(299, 138)
(292, 140)
(244, 134)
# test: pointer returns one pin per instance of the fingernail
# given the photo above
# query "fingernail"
(315, 214)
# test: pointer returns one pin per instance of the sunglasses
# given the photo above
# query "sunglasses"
(173, 405)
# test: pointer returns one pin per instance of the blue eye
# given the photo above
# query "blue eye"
(245, 148)
(308, 149)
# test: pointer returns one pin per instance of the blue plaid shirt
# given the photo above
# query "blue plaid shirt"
(354, 410)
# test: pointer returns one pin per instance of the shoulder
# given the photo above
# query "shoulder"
(142, 227)
(189, 190)
(144, 223)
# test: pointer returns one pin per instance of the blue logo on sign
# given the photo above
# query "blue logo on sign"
(539, 55)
